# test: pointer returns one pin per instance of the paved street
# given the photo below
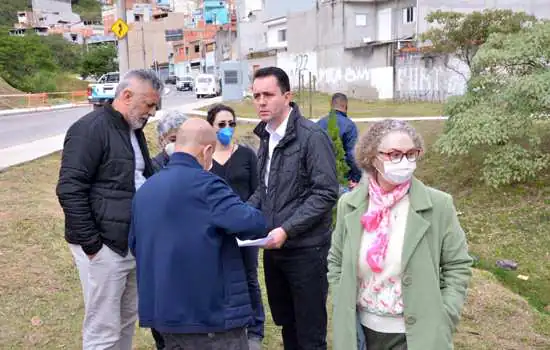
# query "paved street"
(22, 128)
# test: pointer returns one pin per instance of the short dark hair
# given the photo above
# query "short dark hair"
(282, 78)
(339, 98)
(217, 108)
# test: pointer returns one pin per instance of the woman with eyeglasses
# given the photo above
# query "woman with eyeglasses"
(238, 166)
(399, 265)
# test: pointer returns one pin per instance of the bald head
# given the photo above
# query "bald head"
(195, 132)
(197, 138)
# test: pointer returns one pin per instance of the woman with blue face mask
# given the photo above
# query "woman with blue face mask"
(237, 165)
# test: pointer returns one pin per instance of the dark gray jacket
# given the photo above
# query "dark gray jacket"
(303, 186)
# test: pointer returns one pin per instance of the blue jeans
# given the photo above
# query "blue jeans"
(250, 259)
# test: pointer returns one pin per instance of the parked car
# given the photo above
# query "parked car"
(103, 91)
(207, 85)
(184, 83)
(172, 79)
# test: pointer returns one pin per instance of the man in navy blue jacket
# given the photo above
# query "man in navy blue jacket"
(191, 280)
(348, 134)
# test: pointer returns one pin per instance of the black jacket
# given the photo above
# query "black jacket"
(96, 180)
(160, 161)
(303, 186)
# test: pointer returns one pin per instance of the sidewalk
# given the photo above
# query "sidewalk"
(55, 107)
(27, 152)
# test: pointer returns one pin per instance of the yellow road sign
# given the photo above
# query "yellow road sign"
(120, 28)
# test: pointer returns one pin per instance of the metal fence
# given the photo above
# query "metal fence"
(45, 99)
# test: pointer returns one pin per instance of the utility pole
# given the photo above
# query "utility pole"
(237, 3)
(143, 45)
(123, 63)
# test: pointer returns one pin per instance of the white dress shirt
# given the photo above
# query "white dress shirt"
(275, 136)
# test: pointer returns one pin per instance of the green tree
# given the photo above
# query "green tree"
(99, 60)
(342, 167)
(89, 10)
(8, 11)
(504, 114)
(462, 34)
(19, 68)
(67, 55)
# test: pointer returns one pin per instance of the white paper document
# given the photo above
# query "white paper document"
(254, 242)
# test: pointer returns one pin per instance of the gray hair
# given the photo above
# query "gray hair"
(143, 75)
(366, 149)
(172, 119)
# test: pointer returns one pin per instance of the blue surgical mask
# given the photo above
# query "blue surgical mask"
(225, 135)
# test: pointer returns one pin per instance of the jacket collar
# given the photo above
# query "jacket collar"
(117, 117)
(416, 227)
(343, 114)
(290, 134)
(182, 158)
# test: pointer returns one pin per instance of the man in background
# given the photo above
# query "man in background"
(348, 134)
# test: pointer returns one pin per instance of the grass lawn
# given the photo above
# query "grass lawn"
(357, 108)
(41, 302)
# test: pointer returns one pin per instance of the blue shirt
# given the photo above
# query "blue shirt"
(348, 135)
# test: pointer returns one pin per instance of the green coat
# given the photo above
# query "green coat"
(436, 268)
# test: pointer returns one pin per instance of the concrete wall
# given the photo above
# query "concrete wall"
(256, 63)
(153, 39)
(316, 45)
(281, 8)
(419, 77)
(273, 36)
(252, 34)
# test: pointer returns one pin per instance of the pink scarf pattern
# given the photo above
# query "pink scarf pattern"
(377, 220)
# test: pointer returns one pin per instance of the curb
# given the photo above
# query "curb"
(55, 107)
(42, 109)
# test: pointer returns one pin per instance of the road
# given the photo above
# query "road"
(18, 129)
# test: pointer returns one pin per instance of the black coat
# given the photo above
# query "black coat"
(303, 185)
(96, 180)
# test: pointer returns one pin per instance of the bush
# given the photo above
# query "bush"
(501, 118)
(342, 167)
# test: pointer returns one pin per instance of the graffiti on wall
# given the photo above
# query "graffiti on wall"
(339, 75)
(429, 79)
(296, 64)
(357, 80)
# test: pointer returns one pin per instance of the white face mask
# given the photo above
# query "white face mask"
(398, 173)
(169, 148)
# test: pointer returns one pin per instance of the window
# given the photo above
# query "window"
(282, 35)
(360, 19)
(137, 18)
(231, 77)
(409, 14)
(186, 51)
(197, 49)
(112, 78)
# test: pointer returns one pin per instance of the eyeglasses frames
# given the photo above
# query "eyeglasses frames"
(231, 124)
(396, 156)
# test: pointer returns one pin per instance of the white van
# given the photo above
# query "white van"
(207, 85)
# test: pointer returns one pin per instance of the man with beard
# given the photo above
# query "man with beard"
(105, 160)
